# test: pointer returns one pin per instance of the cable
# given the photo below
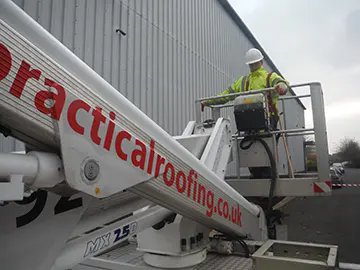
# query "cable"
(250, 139)
(239, 240)
(245, 246)
(273, 172)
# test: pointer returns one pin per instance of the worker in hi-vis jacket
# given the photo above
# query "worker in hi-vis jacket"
(258, 78)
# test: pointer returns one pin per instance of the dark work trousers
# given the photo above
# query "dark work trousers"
(273, 122)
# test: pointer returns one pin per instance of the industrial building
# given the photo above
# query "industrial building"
(161, 55)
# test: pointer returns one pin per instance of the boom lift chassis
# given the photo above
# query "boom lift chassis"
(101, 174)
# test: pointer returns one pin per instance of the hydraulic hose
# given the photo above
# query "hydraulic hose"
(245, 144)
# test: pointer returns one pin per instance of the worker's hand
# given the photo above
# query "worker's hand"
(203, 104)
(281, 87)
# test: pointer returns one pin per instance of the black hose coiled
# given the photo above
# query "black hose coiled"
(245, 144)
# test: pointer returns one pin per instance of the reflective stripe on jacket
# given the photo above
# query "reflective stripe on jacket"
(255, 80)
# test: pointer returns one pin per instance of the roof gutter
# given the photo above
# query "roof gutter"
(250, 36)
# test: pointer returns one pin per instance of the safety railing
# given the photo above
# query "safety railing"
(318, 116)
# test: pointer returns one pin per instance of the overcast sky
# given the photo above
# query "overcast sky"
(314, 41)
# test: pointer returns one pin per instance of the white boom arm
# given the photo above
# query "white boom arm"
(54, 101)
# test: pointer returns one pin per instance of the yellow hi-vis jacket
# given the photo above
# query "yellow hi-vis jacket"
(254, 81)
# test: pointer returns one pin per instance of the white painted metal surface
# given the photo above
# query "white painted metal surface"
(178, 244)
(194, 143)
(284, 187)
(12, 190)
(256, 155)
(173, 52)
(36, 170)
(38, 229)
(283, 255)
(98, 241)
(80, 89)
(10, 165)
(321, 141)
(217, 152)
(52, 99)
(106, 213)
(169, 262)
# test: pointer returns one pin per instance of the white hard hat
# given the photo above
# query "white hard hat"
(253, 55)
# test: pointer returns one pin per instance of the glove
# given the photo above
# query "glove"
(203, 104)
(281, 87)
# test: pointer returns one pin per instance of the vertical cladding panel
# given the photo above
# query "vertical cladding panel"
(115, 54)
(201, 50)
(179, 110)
(175, 103)
(173, 51)
(192, 89)
(130, 53)
(156, 63)
(136, 71)
(57, 19)
(108, 34)
(181, 65)
(98, 53)
(189, 89)
(8, 144)
(20, 3)
(80, 29)
(205, 42)
(69, 24)
(170, 84)
(143, 57)
(160, 45)
(185, 88)
(89, 33)
(165, 113)
(44, 14)
(194, 48)
(150, 58)
(124, 11)
(31, 8)
(155, 67)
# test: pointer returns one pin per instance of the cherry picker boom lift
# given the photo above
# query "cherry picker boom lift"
(98, 173)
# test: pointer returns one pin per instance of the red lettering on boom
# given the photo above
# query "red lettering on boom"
(23, 75)
(98, 118)
(180, 187)
(59, 100)
(151, 158)
(74, 107)
(110, 132)
(159, 161)
(138, 155)
(190, 181)
(233, 215)
(226, 209)
(168, 167)
(118, 143)
(220, 200)
(201, 191)
(195, 188)
(141, 153)
(5, 61)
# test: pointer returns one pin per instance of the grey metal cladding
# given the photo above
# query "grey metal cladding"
(160, 54)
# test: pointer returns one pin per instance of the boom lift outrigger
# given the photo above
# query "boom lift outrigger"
(98, 158)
